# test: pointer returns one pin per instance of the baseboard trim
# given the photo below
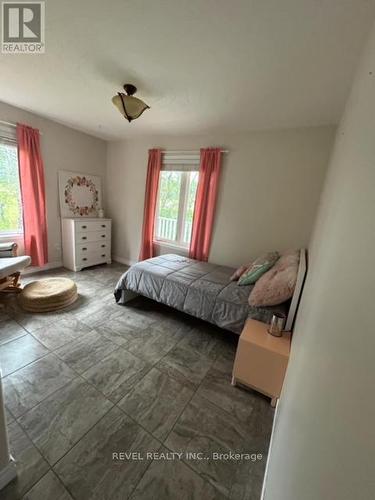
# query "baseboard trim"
(49, 265)
(8, 473)
(120, 260)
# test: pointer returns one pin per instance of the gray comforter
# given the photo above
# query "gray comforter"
(200, 289)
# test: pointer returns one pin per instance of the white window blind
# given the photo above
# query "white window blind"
(8, 133)
(180, 162)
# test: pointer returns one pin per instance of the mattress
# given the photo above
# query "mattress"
(201, 289)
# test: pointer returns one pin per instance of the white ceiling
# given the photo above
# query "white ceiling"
(202, 65)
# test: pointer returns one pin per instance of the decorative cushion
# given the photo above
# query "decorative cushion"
(50, 294)
(258, 267)
(277, 285)
(239, 272)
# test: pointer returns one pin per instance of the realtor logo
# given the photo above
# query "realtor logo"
(23, 28)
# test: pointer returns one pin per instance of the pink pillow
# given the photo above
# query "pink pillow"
(239, 272)
(276, 285)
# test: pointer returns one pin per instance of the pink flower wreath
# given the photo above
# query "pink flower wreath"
(73, 207)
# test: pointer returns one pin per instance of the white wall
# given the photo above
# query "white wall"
(269, 190)
(4, 447)
(324, 440)
(63, 149)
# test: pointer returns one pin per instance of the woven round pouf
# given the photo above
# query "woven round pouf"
(48, 295)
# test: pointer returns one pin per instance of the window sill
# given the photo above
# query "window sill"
(166, 246)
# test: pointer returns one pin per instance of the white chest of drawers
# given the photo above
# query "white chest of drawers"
(86, 242)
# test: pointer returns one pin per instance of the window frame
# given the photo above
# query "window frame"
(185, 165)
(8, 138)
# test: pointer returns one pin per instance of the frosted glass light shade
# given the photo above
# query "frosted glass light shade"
(129, 106)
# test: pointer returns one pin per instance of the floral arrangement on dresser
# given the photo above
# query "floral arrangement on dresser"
(80, 194)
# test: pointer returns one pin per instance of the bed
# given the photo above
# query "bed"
(201, 289)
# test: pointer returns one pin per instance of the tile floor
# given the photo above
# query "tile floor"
(100, 379)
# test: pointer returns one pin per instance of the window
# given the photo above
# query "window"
(10, 193)
(175, 206)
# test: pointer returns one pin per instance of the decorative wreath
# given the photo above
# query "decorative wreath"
(69, 200)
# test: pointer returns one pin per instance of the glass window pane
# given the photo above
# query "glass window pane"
(169, 202)
(192, 190)
(10, 195)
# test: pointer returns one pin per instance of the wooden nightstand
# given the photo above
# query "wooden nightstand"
(261, 359)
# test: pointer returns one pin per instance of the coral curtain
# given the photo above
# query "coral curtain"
(151, 195)
(205, 203)
(33, 194)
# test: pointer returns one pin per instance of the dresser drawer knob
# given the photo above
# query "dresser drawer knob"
(84, 227)
(84, 237)
(103, 246)
(84, 248)
(103, 225)
(84, 258)
(103, 255)
(103, 235)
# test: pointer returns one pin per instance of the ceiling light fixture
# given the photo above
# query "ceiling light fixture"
(129, 106)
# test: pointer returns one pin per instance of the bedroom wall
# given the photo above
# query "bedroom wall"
(4, 447)
(269, 190)
(63, 148)
(324, 438)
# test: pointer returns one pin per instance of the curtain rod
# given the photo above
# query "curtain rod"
(184, 151)
(10, 124)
